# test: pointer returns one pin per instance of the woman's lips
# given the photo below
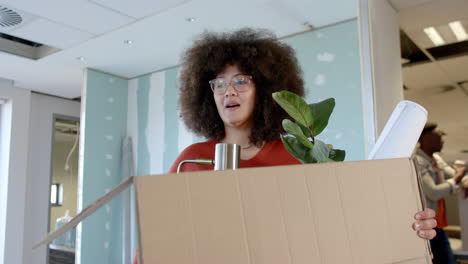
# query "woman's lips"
(232, 107)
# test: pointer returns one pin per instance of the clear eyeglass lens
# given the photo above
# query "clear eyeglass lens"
(220, 84)
(241, 83)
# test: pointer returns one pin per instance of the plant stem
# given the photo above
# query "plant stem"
(312, 135)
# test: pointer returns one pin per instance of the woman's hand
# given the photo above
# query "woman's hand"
(425, 222)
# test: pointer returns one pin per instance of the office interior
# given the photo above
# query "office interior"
(79, 77)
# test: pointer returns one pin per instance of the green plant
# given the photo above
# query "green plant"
(310, 121)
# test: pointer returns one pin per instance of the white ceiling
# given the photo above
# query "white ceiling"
(97, 29)
(432, 84)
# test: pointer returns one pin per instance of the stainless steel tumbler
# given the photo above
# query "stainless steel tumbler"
(227, 156)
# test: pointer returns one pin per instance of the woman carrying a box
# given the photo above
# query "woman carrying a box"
(226, 87)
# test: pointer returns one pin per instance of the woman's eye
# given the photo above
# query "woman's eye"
(220, 84)
(239, 81)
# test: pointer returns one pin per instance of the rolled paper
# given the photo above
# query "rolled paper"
(401, 132)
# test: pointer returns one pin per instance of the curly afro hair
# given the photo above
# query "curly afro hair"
(271, 63)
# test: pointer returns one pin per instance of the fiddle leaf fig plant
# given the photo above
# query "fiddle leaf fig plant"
(309, 121)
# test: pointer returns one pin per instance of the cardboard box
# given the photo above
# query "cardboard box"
(347, 212)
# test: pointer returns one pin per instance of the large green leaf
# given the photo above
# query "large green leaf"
(304, 129)
(310, 121)
(299, 151)
(337, 154)
(295, 130)
(321, 112)
(295, 106)
(320, 151)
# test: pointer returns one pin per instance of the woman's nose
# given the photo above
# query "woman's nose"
(230, 90)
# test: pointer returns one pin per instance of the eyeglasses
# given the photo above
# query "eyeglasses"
(240, 82)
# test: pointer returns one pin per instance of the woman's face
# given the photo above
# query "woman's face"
(235, 97)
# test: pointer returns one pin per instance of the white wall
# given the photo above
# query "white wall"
(13, 201)
(43, 109)
(385, 52)
(5, 121)
(380, 65)
(24, 188)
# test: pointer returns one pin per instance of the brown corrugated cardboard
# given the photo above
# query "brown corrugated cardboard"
(350, 212)
(347, 212)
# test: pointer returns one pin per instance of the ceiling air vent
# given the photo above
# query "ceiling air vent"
(8, 17)
(10, 20)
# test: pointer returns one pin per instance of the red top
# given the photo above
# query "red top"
(272, 154)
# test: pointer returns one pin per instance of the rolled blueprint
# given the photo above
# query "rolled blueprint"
(401, 132)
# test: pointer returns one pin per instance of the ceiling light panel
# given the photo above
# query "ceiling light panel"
(432, 13)
(444, 30)
(458, 30)
(141, 8)
(79, 14)
(434, 36)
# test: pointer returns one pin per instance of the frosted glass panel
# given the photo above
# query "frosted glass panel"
(330, 60)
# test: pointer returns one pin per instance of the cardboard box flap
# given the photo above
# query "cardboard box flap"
(86, 212)
(358, 212)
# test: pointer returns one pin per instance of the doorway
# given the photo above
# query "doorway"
(63, 188)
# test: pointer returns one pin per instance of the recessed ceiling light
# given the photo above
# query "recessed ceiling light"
(128, 42)
(459, 31)
(432, 33)
(80, 58)
(190, 19)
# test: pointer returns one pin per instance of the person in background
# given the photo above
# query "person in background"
(226, 85)
(451, 171)
(436, 185)
(443, 165)
(461, 165)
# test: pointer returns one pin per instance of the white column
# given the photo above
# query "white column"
(13, 201)
(380, 64)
